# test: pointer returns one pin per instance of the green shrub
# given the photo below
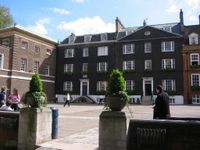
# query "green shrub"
(36, 83)
(116, 84)
(35, 97)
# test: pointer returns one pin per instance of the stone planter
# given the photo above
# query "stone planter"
(35, 126)
(115, 103)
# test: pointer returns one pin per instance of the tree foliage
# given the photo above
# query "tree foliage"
(6, 18)
(36, 83)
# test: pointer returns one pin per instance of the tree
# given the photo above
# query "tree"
(6, 18)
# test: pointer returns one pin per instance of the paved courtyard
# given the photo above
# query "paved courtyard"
(78, 124)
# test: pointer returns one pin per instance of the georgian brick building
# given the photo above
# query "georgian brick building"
(191, 65)
(22, 53)
(148, 55)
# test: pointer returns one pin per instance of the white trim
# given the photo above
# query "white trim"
(147, 79)
(81, 86)
(193, 54)
(26, 72)
(24, 78)
(2, 63)
(45, 39)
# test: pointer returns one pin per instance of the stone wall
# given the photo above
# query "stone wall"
(8, 130)
(164, 134)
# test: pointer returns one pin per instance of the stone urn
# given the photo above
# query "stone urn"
(115, 103)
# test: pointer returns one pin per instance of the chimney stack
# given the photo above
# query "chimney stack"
(118, 24)
(181, 17)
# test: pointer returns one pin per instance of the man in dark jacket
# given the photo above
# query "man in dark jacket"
(161, 108)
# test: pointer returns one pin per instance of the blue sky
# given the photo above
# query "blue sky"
(58, 18)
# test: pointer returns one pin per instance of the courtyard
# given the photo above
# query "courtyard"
(78, 124)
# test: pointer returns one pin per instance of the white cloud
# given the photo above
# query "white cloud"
(173, 8)
(78, 1)
(60, 11)
(87, 26)
(39, 26)
(193, 4)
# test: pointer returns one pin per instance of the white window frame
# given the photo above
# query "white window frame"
(69, 53)
(191, 58)
(23, 46)
(128, 48)
(47, 68)
(5, 42)
(102, 86)
(125, 64)
(172, 82)
(192, 77)
(132, 85)
(24, 67)
(146, 64)
(147, 47)
(87, 38)
(193, 39)
(163, 46)
(69, 68)
(99, 67)
(85, 67)
(196, 99)
(36, 66)
(104, 37)
(1, 61)
(71, 39)
(68, 86)
(102, 51)
(172, 63)
(85, 52)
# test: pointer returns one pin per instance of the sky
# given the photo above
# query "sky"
(59, 18)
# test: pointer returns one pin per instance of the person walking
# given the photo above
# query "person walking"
(67, 100)
(161, 107)
(15, 99)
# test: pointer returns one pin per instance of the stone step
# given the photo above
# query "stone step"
(146, 100)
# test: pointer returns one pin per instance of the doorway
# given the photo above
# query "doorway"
(84, 87)
(147, 86)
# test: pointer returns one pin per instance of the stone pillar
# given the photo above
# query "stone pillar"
(35, 126)
(112, 130)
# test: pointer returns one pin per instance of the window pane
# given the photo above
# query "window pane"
(147, 47)
(23, 66)
(85, 52)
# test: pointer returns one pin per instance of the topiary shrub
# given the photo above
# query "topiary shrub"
(35, 97)
(116, 96)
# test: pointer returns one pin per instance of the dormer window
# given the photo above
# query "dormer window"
(103, 37)
(167, 28)
(72, 38)
(87, 38)
(193, 39)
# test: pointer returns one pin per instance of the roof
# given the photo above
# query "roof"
(28, 31)
(191, 29)
(170, 27)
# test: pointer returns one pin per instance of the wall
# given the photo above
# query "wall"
(9, 130)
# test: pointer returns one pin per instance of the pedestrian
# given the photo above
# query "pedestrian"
(15, 99)
(7, 106)
(67, 100)
(161, 107)
(2, 95)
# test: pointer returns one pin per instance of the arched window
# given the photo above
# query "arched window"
(193, 39)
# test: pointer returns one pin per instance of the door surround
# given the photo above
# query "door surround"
(147, 79)
(81, 86)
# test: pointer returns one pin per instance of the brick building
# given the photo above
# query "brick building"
(191, 65)
(148, 55)
(22, 53)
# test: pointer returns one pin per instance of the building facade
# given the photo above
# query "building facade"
(22, 53)
(191, 65)
(148, 56)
